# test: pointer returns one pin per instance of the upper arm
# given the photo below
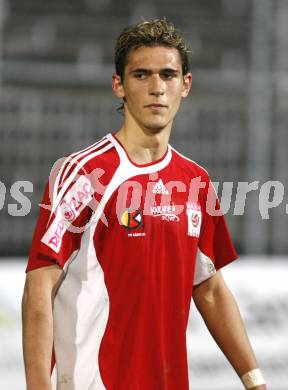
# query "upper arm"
(42, 283)
(205, 291)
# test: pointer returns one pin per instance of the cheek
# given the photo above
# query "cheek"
(176, 96)
(134, 101)
(135, 94)
(175, 90)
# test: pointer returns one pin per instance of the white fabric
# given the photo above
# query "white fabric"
(80, 316)
(204, 268)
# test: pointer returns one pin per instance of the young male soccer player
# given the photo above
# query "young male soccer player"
(126, 234)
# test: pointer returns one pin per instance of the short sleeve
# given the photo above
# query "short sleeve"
(215, 247)
(64, 215)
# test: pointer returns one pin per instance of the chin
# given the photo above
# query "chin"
(155, 130)
(155, 127)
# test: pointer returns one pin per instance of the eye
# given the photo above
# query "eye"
(140, 76)
(168, 75)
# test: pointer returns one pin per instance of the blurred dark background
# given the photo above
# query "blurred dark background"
(56, 61)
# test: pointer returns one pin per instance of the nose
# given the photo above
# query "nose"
(156, 85)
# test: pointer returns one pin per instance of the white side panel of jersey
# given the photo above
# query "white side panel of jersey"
(204, 268)
(54, 378)
(81, 311)
(81, 305)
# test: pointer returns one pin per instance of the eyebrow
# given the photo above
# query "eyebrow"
(149, 71)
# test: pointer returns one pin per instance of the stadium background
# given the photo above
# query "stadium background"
(56, 61)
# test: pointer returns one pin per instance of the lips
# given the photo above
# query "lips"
(156, 105)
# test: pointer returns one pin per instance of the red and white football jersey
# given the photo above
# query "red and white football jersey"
(132, 241)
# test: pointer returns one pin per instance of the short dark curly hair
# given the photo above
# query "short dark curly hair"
(155, 32)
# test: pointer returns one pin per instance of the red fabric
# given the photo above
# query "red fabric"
(148, 259)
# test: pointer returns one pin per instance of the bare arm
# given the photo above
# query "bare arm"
(37, 302)
(220, 312)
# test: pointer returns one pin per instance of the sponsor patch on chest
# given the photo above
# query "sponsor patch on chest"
(165, 212)
(194, 217)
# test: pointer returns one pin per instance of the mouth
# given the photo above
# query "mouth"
(155, 106)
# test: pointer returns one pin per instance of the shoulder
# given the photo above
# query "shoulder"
(79, 168)
(83, 159)
(99, 154)
(190, 166)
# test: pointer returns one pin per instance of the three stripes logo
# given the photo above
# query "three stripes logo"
(159, 188)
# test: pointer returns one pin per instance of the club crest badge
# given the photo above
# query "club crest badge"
(194, 217)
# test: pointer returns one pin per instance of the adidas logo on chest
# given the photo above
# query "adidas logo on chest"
(159, 188)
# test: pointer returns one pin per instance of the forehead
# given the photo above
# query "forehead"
(155, 57)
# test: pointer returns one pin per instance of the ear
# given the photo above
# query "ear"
(117, 86)
(187, 83)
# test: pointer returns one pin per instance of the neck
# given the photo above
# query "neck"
(143, 145)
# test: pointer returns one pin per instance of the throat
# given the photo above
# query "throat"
(145, 156)
(142, 150)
